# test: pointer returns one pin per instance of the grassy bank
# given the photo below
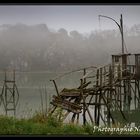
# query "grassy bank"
(10, 125)
(40, 125)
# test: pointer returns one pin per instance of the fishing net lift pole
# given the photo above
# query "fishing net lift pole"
(120, 27)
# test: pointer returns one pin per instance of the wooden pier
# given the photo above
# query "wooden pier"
(113, 92)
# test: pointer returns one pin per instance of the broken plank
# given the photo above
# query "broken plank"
(66, 107)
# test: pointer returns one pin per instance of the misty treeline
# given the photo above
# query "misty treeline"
(36, 47)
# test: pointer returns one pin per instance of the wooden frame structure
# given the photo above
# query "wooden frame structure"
(10, 94)
(113, 91)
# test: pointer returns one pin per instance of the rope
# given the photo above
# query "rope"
(60, 76)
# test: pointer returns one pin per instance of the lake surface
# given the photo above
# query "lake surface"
(33, 85)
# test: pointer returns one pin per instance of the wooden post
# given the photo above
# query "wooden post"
(120, 92)
(96, 97)
(138, 87)
(84, 75)
(108, 108)
(56, 87)
(85, 107)
(101, 74)
(95, 110)
(99, 106)
(97, 78)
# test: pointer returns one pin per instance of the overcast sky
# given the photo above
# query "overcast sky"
(82, 18)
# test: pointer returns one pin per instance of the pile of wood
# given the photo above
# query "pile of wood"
(65, 104)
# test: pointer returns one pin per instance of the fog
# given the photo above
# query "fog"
(37, 47)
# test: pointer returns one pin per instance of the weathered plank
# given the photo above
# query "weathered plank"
(73, 107)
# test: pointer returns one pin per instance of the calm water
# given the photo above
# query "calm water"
(31, 85)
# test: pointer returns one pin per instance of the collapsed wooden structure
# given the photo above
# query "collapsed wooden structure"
(113, 92)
